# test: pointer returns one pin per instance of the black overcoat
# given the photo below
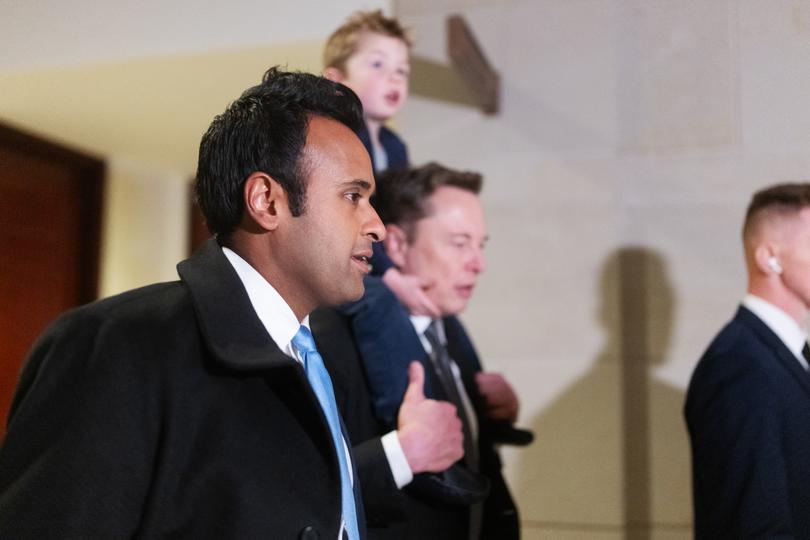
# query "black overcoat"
(167, 411)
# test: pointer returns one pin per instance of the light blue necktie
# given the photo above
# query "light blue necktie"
(322, 386)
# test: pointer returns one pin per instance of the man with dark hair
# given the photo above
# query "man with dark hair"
(435, 230)
(748, 403)
(201, 408)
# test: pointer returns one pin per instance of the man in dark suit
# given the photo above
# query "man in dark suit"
(748, 403)
(436, 231)
(199, 408)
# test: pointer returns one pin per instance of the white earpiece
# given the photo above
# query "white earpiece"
(773, 262)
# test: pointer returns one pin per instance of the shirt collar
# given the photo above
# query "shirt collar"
(782, 324)
(276, 315)
(420, 324)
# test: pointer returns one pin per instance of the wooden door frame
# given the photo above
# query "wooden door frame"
(91, 172)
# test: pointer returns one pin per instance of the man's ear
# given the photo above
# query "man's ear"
(333, 74)
(396, 244)
(265, 201)
(765, 258)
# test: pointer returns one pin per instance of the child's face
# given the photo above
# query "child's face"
(378, 73)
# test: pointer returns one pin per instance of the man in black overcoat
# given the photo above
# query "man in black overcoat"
(184, 409)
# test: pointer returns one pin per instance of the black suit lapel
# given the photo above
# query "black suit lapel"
(783, 356)
(459, 348)
(433, 385)
(292, 386)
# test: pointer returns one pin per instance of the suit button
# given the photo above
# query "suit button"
(309, 533)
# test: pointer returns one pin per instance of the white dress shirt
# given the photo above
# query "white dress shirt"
(782, 324)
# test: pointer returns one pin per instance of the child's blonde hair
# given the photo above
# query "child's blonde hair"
(342, 44)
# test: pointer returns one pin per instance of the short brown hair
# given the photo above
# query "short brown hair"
(342, 44)
(402, 193)
(779, 200)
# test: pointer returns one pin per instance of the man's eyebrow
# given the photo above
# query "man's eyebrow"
(469, 236)
(362, 184)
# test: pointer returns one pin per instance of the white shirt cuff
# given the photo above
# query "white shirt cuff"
(396, 459)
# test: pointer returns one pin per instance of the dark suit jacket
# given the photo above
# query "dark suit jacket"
(167, 411)
(422, 519)
(748, 413)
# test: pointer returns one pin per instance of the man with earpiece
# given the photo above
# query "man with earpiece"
(748, 403)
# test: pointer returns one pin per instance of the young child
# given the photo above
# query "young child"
(370, 53)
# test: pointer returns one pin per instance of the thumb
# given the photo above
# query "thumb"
(416, 383)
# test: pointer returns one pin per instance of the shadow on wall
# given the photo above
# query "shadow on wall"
(611, 455)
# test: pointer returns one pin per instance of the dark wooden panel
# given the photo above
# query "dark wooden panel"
(50, 208)
(468, 58)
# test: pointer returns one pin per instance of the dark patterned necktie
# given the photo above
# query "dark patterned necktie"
(441, 363)
(806, 352)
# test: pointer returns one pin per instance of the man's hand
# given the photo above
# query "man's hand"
(410, 290)
(499, 398)
(429, 431)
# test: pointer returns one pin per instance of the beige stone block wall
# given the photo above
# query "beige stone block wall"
(630, 138)
(145, 226)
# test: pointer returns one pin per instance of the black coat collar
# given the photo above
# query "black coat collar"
(228, 323)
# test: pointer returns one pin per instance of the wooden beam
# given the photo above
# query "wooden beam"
(469, 61)
(441, 82)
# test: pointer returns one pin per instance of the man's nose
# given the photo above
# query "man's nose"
(478, 262)
(374, 226)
